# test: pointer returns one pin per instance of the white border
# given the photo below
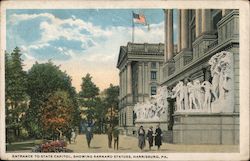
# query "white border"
(242, 5)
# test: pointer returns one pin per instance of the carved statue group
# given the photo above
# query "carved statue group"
(151, 110)
(199, 96)
(194, 95)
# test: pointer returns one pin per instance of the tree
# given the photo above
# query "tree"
(112, 101)
(88, 89)
(44, 80)
(57, 113)
(87, 95)
(16, 98)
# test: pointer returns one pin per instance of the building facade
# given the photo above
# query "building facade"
(140, 73)
(201, 34)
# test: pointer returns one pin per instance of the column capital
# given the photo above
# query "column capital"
(129, 62)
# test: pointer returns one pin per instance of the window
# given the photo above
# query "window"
(134, 117)
(153, 75)
(153, 90)
(153, 65)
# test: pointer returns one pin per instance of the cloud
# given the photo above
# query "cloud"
(81, 47)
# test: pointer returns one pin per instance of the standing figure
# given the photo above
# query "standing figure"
(207, 102)
(198, 93)
(73, 135)
(68, 135)
(150, 137)
(116, 138)
(89, 133)
(215, 73)
(179, 95)
(141, 137)
(158, 137)
(109, 132)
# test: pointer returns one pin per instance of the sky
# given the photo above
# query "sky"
(81, 41)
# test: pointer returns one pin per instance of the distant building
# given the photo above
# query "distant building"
(140, 73)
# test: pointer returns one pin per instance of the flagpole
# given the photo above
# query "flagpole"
(133, 28)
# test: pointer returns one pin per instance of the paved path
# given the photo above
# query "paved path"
(129, 144)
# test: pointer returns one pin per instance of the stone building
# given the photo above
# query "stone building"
(140, 73)
(201, 34)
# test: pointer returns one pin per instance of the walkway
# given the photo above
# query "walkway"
(129, 144)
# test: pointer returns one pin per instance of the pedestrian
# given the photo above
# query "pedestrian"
(141, 137)
(158, 137)
(73, 135)
(150, 137)
(89, 135)
(116, 137)
(109, 132)
(68, 135)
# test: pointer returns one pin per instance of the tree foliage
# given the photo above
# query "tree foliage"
(44, 80)
(57, 112)
(112, 101)
(88, 96)
(88, 89)
(16, 98)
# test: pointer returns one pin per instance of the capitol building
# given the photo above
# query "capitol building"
(190, 88)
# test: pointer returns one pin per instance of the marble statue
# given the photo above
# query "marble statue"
(207, 87)
(153, 108)
(217, 96)
(191, 92)
(178, 93)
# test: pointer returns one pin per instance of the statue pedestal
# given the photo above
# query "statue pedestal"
(204, 128)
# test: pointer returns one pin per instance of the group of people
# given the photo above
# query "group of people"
(113, 132)
(151, 137)
(70, 134)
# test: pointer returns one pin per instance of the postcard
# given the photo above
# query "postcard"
(124, 80)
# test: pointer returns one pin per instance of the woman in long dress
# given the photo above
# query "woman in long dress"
(158, 137)
(141, 137)
(150, 137)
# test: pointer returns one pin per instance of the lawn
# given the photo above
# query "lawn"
(22, 146)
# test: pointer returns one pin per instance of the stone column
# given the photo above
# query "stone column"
(139, 79)
(129, 78)
(206, 24)
(179, 31)
(165, 29)
(143, 78)
(126, 81)
(120, 83)
(197, 22)
(158, 72)
(123, 82)
(146, 78)
(170, 44)
(184, 28)
(223, 12)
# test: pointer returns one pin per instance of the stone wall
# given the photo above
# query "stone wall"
(206, 129)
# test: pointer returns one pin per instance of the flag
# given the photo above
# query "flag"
(139, 18)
